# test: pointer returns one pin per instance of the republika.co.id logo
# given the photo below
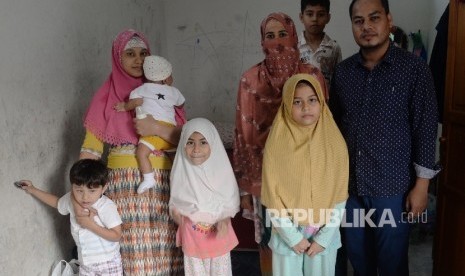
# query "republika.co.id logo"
(336, 217)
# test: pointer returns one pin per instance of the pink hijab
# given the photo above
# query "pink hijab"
(101, 119)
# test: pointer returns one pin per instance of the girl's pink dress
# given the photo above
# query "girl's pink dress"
(201, 240)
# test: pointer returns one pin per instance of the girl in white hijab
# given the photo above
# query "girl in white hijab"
(204, 198)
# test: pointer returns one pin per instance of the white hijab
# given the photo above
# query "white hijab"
(208, 192)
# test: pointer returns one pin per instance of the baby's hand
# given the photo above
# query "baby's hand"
(314, 249)
(301, 247)
(119, 107)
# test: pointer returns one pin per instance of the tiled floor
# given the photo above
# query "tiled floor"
(420, 255)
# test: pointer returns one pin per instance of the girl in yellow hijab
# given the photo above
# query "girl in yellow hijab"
(305, 181)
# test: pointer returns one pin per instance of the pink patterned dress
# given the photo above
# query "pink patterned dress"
(205, 253)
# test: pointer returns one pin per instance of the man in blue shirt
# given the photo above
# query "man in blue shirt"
(384, 102)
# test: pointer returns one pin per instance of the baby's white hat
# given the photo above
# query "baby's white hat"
(157, 68)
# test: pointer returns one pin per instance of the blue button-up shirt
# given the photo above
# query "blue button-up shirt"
(388, 116)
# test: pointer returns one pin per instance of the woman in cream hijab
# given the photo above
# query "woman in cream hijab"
(305, 178)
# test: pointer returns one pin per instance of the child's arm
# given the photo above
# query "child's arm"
(302, 246)
(222, 227)
(88, 222)
(129, 105)
(314, 249)
(176, 216)
(289, 233)
(327, 233)
(47, 198)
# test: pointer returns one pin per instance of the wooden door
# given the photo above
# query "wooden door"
(449, 244)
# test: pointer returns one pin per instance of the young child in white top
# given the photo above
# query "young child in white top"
(158, 98)
(96, 235)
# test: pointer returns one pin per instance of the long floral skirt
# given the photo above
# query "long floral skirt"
(148, 245)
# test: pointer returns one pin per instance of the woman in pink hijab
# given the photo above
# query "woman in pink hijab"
(148, 245)
(258, 100)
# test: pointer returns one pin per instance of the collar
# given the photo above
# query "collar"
(99, 203)
(389, 57)
(324, 43)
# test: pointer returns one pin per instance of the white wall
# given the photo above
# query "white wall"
(213, 43)
(54, 54)
(210, 43)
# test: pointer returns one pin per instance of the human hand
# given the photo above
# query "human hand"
(177, 217)
(314, 249)
(247, 202)
(417, 198)
(222, 228)
(26, 185)
(119, 107)
(147, 126)
(80, 211)
(301, 247)
(86, 219)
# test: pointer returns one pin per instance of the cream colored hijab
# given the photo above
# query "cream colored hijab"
(208, 192)
(304, 168)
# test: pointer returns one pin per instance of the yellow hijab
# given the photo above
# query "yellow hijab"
(304, 168)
